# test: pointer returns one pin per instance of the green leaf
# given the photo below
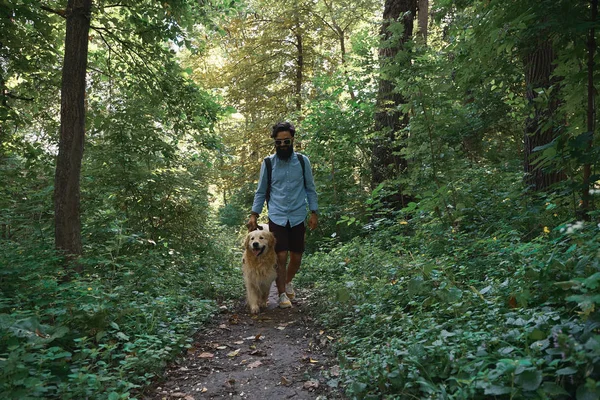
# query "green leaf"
(593, 281)
(553, 389)
(415, 286)
(537, 334)
(494, 390)
(586, 393)
(60, 332)
(100, 335)
(357, 387)
(60, 354)
(342, 295)
(530, 379)
(566, 371)
(410, 207)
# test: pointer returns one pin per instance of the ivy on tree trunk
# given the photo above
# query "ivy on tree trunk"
(390, 121)
(539, 63)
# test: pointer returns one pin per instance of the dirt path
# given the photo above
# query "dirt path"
(279, 354)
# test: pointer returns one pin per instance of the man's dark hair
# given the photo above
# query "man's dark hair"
(283, 127)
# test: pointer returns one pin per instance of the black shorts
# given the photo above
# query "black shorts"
(288, 238)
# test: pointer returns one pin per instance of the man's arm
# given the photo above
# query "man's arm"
(259, 199)
(311, 191)
(311, 195)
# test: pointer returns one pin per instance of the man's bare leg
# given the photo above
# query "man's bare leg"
(281, 271)
(293, 266)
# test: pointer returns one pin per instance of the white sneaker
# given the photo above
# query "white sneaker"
(289, 290)
(284, 301)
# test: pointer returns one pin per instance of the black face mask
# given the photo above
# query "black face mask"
(284, 154)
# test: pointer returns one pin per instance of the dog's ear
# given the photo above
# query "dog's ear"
(247, 241)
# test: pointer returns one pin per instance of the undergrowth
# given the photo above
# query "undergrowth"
(108, 332)
(475, 308)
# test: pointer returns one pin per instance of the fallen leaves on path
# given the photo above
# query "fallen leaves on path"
(184, 396)
(233, 353)
(309, 359)
(310, 385)
(256, 338)
(278, 354)
(255, 364)
(285, 381)
(259, 353)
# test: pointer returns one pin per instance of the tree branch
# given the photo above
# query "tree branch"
(13, 96)
(60, 13)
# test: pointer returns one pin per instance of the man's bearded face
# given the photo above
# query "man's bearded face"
(284, 145)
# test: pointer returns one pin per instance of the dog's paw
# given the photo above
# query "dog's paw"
(254, 309)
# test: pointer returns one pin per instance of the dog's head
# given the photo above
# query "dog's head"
(259, 242)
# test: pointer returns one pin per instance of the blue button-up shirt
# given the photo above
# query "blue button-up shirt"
(288, 194)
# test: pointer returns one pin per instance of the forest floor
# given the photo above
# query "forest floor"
(279, 354)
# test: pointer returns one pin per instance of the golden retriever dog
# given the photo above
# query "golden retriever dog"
(259, 265)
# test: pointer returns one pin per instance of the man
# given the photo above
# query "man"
(291, 188)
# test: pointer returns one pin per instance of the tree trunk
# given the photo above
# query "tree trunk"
(67, 224)
(539, 65)
(3, 138)
(299, 66)
(342, 38)
(423, 19)
(591, 114)
(386, 163)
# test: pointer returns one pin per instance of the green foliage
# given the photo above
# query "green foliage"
(110, 331)
(232, 216)
(235, 213)
(340, 176)
(469, 306)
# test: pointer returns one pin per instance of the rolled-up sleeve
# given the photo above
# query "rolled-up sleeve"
(311, 191)
(261, 190)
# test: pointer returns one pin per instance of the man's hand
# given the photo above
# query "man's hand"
(252, 225)
(313, 222)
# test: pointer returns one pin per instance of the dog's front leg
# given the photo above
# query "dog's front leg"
(253, 299)
(264, 296)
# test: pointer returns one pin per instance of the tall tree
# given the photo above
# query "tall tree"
(423, 19)
(269, 57)
(72, 129)
(540, 128)
(298, 32)
(591, 109)
(341, 18)
(390, 121)
(134, 32)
